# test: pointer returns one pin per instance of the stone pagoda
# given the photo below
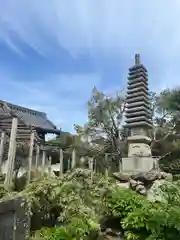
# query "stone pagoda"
(138, 120)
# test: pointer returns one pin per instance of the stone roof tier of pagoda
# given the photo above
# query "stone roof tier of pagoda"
(138, 110)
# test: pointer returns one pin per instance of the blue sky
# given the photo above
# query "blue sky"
(52, 52)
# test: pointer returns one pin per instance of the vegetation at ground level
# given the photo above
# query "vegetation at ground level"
(72, 207)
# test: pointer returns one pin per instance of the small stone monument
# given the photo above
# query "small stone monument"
(138, 120)
(14, 219)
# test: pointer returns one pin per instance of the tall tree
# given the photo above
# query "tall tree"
(166, 120)
(105, 117)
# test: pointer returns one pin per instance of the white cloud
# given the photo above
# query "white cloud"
(104, 26)
(63, 98)
(104, 29)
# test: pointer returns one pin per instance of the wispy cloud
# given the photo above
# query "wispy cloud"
(102, 25)
(85, 43)
(63, 98)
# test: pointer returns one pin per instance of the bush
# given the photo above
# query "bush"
(3, 191)
(176, 177)
(170, 162)
(72, 206)
(76, 229)
(72, 202)
(142, 219)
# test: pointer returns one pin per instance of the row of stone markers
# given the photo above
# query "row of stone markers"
(40, 156)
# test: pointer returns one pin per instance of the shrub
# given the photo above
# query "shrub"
(72, 206)
(170, 162)
(142, 219)
(176, 177)
(76, 229)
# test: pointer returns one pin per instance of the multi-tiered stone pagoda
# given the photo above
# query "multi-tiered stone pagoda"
(138, 119)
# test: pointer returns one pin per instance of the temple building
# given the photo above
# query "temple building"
(28, 118)
(28, 121)
(138, 119)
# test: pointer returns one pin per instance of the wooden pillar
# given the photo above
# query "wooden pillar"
(37, 156)
(60, 162)
(2, 142)
(91, 162)
(107, 165)
(73, 164)
(120, 165)
(11, 152)
(69, 164)
(49, 165)
(31, 146)
(94, 165)
(43, 159)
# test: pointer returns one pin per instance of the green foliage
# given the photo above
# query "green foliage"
(3, 191)
(119, 202)
(176, 177)
(142, 219)
(77, 204)
(76, 229)
(166, 121)
(104, 116)
(171, 162)
(74, 199)
(103, 128)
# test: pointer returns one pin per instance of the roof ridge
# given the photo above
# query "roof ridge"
(23, 108)
(14, 114)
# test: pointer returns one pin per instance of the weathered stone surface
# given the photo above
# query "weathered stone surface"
(148, 177)
(166, 176)
(141, 189)
(122, 177)
(133, 184)
(155, 193)
(144, 183)
(124, 185)
(14, 219)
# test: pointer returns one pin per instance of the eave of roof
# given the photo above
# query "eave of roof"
(32, 118)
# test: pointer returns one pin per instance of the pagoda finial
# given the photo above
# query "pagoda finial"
(137, 59)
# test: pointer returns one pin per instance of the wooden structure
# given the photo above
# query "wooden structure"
(27, 119)
(19, 127)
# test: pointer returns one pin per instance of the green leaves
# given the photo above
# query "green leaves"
(78, 203)
(103, 129)
(76, 229)
(143, 220)
(77, 207)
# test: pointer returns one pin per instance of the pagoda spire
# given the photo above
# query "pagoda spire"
(137, 59)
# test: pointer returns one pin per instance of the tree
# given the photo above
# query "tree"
(170, 101)
(163, 123)
(103, 128)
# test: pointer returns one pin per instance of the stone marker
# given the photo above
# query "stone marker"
(14, 219)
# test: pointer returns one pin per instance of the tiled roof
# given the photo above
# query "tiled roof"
(33, 118)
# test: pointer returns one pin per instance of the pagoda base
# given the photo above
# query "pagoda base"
(138, 164)
(139, 156)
